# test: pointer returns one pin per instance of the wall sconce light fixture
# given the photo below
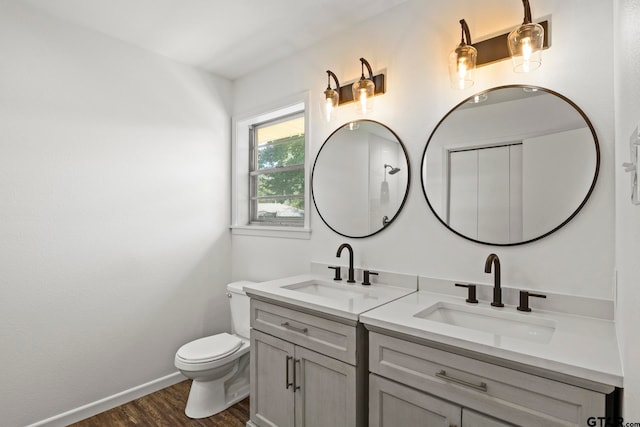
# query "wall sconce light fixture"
(462, 60)
(331, 97)
(361, 91)
(364, 90)
(526, 43)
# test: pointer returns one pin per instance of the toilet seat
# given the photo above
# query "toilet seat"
(209, 349)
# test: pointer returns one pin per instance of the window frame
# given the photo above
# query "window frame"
(254, 173)
(240, 179)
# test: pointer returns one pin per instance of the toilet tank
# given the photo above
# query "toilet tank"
(239, 304)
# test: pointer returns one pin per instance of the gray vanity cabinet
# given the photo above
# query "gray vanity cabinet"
(327, 394)
(272, 401)
(292, 382)
(408, 379)
(395, 405)
(295, 386)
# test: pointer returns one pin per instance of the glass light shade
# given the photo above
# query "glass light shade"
(363, 91)
(525, 46)
(462, 63)
(330, 104)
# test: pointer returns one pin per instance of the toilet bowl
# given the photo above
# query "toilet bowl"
(219, 364)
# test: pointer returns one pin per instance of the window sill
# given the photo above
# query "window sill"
(271, 231)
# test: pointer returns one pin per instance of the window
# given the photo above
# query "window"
(277, 171)
(270, 166)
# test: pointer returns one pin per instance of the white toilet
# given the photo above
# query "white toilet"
(219, 364)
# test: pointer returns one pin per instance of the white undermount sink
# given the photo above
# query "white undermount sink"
(493, 321)
(330, 290)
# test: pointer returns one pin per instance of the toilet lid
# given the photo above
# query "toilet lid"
(209, 348)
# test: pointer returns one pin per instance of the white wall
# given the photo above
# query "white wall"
(627, 250)
(114, 189)
(412, 42)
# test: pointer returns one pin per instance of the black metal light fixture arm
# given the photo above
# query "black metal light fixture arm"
(527, 12)
(364, 62)
(330, 74)
(465, 33)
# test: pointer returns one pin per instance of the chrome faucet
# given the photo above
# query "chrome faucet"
(497, 290)
(350, 249)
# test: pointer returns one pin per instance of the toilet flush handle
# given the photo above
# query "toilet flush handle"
(229, 295)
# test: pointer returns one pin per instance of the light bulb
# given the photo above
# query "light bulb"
(462, 72)
(526, 48)
(462, 68)
(328, 108)
(526, 54)
(363, 100)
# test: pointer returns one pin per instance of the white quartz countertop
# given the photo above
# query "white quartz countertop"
(340, 299)
(580, 346)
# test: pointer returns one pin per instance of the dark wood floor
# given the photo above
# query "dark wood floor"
(165, 408)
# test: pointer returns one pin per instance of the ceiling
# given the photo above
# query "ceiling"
(227, 37)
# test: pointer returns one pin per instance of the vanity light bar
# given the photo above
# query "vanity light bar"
(362, 90)
(345, 93)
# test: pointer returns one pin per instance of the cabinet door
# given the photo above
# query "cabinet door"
(474, 419)
(395, 405)
(272, 400)
(325, 391)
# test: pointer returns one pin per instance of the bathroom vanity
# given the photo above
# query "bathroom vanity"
(415, 380)
(330, 353)
(309, 353)
(434, 356)
(306, 368)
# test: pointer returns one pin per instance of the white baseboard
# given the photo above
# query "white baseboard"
(110, 402)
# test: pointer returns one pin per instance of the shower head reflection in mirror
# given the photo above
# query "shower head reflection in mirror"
(384, 186)
(350, 190)
(512, 169)
(392, 170)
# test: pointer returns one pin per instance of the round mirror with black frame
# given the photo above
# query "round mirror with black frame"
(360, 179)
(510, 165)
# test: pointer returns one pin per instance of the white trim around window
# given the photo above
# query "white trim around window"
(240, 197)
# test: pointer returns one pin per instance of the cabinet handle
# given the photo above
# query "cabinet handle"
(295, 381)
(288, 384)
(442, 374)
(294, 328)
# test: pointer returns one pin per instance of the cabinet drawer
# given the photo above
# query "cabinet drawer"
(503, 393)
(325, 336)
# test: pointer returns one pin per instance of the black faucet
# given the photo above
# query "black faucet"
(350, 249)
(497, 291)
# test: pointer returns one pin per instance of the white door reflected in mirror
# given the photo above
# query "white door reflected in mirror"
(512, 168)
